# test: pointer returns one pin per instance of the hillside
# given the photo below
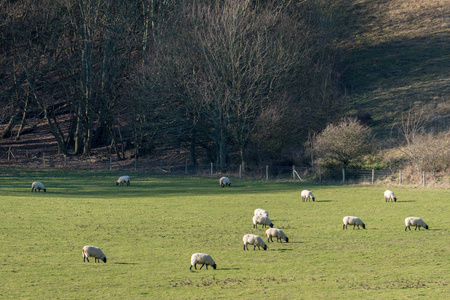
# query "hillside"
(395, 56)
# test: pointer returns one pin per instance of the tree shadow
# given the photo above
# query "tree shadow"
(124, 263)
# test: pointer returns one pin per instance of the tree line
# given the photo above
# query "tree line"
(233, 81)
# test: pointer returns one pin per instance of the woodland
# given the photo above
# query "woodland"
(247, 82)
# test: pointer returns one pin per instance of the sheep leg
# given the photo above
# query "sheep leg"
(202, 267)
(86, 259)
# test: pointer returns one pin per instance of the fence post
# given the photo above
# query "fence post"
(373, 176)
(135, 162)
(267, 172)
(240, 171)
(211, 169)
(320, 174)
(423, 176)
(343, 175)
(400, 175)
(86, 162)
(293, 172)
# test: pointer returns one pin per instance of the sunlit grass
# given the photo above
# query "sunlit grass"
(149, 230)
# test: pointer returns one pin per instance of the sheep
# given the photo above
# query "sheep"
(261, 212)
(224, 181)
(91, 251)
(414, 221)
(278, 233)
(38, 186)
(263, 220)
(202, 258)
(122, 180)
(307, 195)
(355, 221)
(255, 240)
(389, 196)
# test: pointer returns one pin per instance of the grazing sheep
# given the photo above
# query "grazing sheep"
(278, 233)
(355, 221)
(38, 186)
(262, 220)
(202, 258)
(389, 196)
(414, 221)
(307, 195)
(122, 180)
(261, 212)
(224, 181)
(91, 251)
(255, 240)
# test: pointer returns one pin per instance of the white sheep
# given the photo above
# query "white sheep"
(389, 196)
(122, 180)
(262, 220)
(278, 233)
(261, 212)
(91, 251)
(255, 240)
(38, 186)
(307, 195)
(414, 221)
(224, 181)
(355, 221)
(202, 258)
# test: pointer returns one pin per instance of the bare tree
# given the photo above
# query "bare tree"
(343, 144)
(427, 151)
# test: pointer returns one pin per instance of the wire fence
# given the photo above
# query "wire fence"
(264, 172)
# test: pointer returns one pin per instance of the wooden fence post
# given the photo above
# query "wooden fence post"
(343, 175)
(320, 174)
(267, 172)
(373, 176)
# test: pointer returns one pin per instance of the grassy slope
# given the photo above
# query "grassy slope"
(397, 57)
(149, 230)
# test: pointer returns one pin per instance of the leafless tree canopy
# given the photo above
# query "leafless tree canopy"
(343, 144)
(210, 75)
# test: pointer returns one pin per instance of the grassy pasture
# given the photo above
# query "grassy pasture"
(150, 229)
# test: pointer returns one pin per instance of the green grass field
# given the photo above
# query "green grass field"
(149, 230)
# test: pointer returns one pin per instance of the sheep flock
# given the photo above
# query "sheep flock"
(260, 217)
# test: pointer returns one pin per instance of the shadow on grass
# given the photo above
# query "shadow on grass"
(407, 201)
(282, 250)
(226, 269)
(124, 263)
(325, 201)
